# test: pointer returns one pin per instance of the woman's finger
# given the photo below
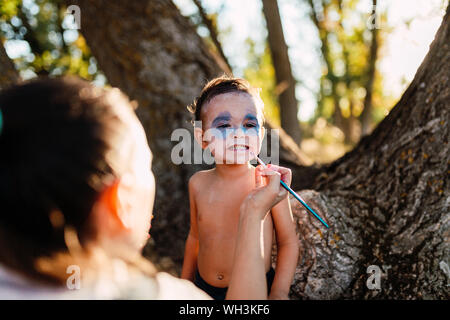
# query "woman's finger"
(258, 177)
(286, 173)
(273, 179)
(276, 188)
(274, 182)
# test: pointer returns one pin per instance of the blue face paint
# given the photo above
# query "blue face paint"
(222, 118)
(221, 124)
(250, 125)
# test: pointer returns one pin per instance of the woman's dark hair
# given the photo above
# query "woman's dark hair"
(217, 86)
(53, 164)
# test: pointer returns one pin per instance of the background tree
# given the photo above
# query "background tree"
(8, 73)
(350, 81)
(387, 200)
(261, 74)
(55, 48)
(366, 114)
(211, 24)
(285, 88)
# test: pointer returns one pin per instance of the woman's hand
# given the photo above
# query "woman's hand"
(268, 191)
(286, 174)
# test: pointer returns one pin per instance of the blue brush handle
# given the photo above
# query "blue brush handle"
(303, 202)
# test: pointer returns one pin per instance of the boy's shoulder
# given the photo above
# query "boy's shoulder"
(200, 177)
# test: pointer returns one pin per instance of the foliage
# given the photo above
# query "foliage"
(347, 39)
(261, 74)
(54, 46)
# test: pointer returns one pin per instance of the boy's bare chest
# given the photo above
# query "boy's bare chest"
(218, 207)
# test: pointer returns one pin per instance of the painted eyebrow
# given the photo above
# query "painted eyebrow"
(250, 116)
(224, 116)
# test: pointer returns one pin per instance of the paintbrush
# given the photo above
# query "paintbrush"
(296, 196)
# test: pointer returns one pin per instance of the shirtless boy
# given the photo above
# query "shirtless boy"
(231, 115)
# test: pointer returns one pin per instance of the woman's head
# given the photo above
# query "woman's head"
(71, 156)
(231, 115)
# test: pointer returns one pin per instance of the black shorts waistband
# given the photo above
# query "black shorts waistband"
(220, 293)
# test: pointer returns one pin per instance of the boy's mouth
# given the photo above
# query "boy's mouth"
(238, 147)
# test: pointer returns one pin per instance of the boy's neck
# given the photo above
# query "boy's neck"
(232, 171)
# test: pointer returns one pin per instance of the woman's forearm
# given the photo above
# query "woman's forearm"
(248, 279)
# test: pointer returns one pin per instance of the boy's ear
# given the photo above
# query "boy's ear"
(198, 135)
(263, 132)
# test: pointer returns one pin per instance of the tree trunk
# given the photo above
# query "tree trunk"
(214, 36)
(366, 115)
(150, 51)
(284, 79)
(345, 124)
(348, 123)
(386, 201)
(8, 74)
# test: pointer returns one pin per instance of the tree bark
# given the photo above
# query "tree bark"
(386, 201)
(150, 51)
(283, 73)
(8, 73)
(366, 115)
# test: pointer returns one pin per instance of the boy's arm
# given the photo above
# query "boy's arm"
(287, 250)
(191, 247)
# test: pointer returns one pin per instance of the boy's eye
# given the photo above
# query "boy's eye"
(223, 126)
(250, 125)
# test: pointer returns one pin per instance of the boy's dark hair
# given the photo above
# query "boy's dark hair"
(217, 86)
(53, 164)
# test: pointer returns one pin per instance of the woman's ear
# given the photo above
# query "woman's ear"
(109, 210)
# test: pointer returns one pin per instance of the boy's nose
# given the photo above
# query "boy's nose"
(238, 132)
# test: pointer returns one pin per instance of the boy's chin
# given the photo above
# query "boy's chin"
(236, 159)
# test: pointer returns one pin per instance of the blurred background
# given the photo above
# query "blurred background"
(350, 60)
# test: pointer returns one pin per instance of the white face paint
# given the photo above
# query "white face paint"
(233, 128)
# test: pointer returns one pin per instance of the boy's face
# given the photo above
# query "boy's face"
(232, 127)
